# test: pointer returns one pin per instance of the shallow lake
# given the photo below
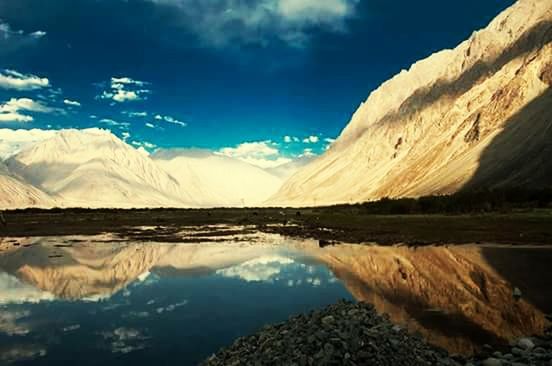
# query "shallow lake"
(110, 301)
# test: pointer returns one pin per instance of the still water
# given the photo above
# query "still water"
(109, 301)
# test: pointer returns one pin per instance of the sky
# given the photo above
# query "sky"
(276, 78)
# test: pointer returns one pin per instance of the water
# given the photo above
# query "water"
(105, 300)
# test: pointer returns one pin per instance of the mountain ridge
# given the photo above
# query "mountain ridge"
(427, 130)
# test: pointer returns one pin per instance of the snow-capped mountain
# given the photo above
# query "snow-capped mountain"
(471, 117)
(14, 192)
(216, 180)
(93, 168)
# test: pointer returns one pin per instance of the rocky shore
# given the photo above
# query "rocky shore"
(355, 334)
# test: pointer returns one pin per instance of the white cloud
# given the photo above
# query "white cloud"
(311, 140)
(307, 153)
(150, 125)
(126, 136)
(329, 142)
(262, 269)
(125, 89)
(71, 102)
(11, 79)
(37, 34)
(264, 154)
(170, 119)
(171, 307)
(21, 352)
(71, 328)
(125, 340)
(135, 114)
(11, 110)
(288, 139)
(225, 22)
(12, 35)
(111, 122)
(144, 146)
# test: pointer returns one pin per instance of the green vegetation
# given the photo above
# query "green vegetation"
(502, 200)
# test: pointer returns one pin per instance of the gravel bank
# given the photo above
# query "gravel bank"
(354, 334)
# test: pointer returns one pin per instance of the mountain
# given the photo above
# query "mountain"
(93, 168)
(216, 180)
(15, 193)
(477, 116)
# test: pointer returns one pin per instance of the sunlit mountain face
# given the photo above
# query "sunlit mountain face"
(123, 301)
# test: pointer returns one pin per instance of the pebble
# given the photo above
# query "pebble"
(351, 334)
(492, 362)
(525, 343)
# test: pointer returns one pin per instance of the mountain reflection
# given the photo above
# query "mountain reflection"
(452, 295)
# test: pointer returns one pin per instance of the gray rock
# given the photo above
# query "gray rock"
(525, 343)
(517, 351)
(396, 328)
(517, 293)
(328, 320)
(491, 361)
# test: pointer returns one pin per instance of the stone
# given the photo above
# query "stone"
(396, 328)
(517, 293)
(327, 320)
(525, 343)
(491, 361)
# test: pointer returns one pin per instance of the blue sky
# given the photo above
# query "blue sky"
(214, 73)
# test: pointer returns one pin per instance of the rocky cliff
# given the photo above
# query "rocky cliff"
(471, 117)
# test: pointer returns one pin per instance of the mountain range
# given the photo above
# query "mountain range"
(476, 116)
(94, 168)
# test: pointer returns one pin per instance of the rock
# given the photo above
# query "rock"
(328, 320)
(354, 334)
(396, 328)
(492, 362)
(525, 343)
(517, 293)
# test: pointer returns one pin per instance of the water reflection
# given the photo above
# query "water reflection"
(451, 295)
(142, 303)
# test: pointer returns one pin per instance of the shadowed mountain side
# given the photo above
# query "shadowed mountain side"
(520, 155)
(528, 269)
(449, 294)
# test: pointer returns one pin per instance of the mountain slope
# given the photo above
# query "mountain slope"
(93, 168)
(475, 116)
(15, 193)
(216, 180)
